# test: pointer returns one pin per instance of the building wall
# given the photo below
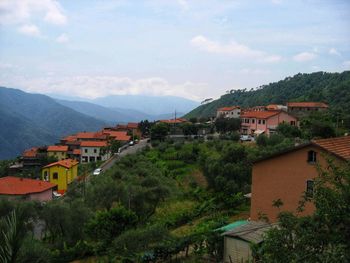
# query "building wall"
(43, 196)
(91, 155)
(236, 113)
(236, 250)
(283, 177)
(303, 111)
(58, 155)
(65, 176)
(275, 120)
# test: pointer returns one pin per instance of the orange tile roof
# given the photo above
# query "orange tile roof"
(228, 108)
(260, 114)
(118, 135)
(85, 135)
(76, 152)
(132, 125)
(93, 144)
(307, 104)
(20, 186)
(70, 138)
(272, 107)
(57, 148)
(68, 163)
(339, 146)
(172, 121)
(31, 153)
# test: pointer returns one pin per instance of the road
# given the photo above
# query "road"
(130, 150)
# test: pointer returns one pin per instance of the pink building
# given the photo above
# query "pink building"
(258, 122)
(29, 189)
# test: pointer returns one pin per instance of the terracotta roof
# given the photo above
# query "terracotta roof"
(228, 108)
(93, 144)
(118, 135)
(132, 125)
(339, 146)
(57, 148)
(172, 121)
(30, 152)
(20, 186)
(272, 107)
(68, 163)
(70, 138)
(260, 114)
(307, 104)
(76, 152)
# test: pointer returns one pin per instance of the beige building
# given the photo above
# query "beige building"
(57, 151)
(91, 151)
(229, 112)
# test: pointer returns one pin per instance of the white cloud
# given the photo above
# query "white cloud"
(30, 30)
(232, 49)
(333, 51)
(184, 4)
(63, 38)
(99, 86)
(21, 11)
(304, 56)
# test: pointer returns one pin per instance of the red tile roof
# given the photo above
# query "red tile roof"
(85, 135)
(20, 186)
(132, 125)
(70, 138)
(68, 163)
(272, 107)
(118, 135)
(93, 144)
(260, 114)
(76, 152)
(57, 148)
(172, 121)
(307, 104)
(339, 146)
(30, 153)
(228, 108)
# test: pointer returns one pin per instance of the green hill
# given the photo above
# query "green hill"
(332, 88)
(28, 120)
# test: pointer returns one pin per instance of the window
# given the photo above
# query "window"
(246, 120)
(311, 156)
(253, 121)
(263, 121)
(292, 123)
(259, 121)
(95, 151)
(55, 176)
(309, 188)
(85, 150)
(46, 176)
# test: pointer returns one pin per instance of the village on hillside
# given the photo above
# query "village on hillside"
(296, 167)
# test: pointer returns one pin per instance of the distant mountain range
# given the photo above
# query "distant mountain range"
(113, 115)
(332, 88)
(28, 120)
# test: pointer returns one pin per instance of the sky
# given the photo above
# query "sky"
(196, 49)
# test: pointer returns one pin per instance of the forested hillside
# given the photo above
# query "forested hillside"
(28, 120)
(332, 88)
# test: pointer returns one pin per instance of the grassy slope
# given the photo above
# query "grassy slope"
(333, 88)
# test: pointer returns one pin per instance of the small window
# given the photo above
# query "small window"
(292, 123)
(85, 150)
(46, 176)
(253, 121)
(263, 122)
(259, 121)
(95, 151)
(55, 176)
(311, 156)
(309, 188)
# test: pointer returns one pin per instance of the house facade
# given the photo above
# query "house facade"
(258, 122)
(229, 112)
(289, 175)
(91, 151)
(27, 189)
(57, 151)
(60, 173)
(302, 109)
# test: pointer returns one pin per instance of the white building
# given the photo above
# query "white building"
(229, 112)
(91, 151)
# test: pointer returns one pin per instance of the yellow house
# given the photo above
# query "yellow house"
(61, 173)
(58, 151)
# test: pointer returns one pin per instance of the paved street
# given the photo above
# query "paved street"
(130, 150)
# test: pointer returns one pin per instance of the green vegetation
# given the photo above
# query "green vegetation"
(332, 88)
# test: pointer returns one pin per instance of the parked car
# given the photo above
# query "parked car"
(97, 171)
(131, 143)
(246, 138)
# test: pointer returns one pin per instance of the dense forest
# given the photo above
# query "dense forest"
(332, 88)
